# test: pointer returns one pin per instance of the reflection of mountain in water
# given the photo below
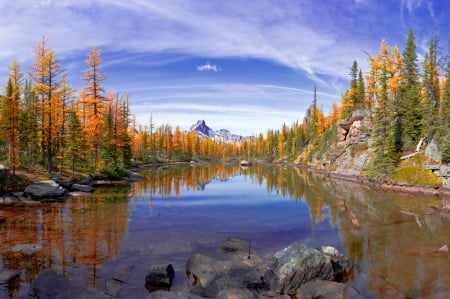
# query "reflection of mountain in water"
(380, 231)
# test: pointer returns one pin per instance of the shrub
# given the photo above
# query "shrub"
(416, 175)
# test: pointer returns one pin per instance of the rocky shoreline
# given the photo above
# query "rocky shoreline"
(57, 189)
(233, 271)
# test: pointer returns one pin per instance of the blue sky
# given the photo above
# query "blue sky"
(246, 66)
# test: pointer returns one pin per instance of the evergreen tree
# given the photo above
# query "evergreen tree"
(409, 104)
(430, 101)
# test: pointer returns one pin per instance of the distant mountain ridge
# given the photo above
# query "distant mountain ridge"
(222, 135)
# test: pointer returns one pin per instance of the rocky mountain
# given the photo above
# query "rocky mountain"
(222, 135)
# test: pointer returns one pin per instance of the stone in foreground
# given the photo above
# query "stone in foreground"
(159, 277)
(51, 285)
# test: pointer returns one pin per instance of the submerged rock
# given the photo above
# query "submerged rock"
(51, 285)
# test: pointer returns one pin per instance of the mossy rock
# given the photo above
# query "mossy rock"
(416, 175)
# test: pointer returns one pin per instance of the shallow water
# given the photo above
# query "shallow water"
(121, 231)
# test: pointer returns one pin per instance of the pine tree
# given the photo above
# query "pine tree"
(409, 104)
(431, 97)
(11, 114)
(29, 126)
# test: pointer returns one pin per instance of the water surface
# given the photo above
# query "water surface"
(176, 211)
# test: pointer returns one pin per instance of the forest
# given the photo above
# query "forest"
(45, 123)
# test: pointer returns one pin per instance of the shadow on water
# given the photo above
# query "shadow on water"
(177, 210)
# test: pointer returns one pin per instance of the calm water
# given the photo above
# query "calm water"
(121, 231)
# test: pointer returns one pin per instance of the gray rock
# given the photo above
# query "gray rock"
(45, 190)
(86, 181)
(63, 183)
(322, 289)
(162, 295)
(359, 114)
(83, 188)
(233, 245)
(133, 177)
(6, 275)
(217, 271)
(236, 294)
(432, 151)
(51, 285)
(159, 277)
(342, 267)
(298, 264)
(173, 295)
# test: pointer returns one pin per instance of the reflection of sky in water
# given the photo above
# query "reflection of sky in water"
(170, 228)
(236, 206)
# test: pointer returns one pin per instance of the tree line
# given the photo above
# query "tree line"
(408, 103)
(44, 121)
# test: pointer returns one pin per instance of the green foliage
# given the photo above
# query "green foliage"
(329, 138)
(416, 175)
(382, 168)
(445, 150)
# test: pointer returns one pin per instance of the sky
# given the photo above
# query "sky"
(245, 66)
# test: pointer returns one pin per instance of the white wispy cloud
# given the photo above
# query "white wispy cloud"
(264, 30)
(208, 67)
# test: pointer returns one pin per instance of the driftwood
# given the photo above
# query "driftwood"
(419, 145)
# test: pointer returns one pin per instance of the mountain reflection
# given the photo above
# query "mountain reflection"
(387, 236)
(379, 231)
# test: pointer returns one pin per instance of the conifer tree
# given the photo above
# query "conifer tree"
(94, 103)
(431, 97)
(409, 104)
(10, 114)
(45, 72)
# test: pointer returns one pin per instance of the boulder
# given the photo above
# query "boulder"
(173, 295)
(159, 277)
(321, 289)
(236, 294)
(83, 188)
(45, 190)
(51, 285)
(298, 264)
(342, 267)
(230, 268)
(432, 151)
(133, 177)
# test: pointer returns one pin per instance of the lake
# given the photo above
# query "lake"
(120, 231)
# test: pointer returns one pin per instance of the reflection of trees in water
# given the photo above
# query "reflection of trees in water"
(372, 227)
(80, 233)
(374, 230)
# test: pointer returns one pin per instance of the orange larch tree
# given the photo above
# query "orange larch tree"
(94, 103)
(45, 72)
